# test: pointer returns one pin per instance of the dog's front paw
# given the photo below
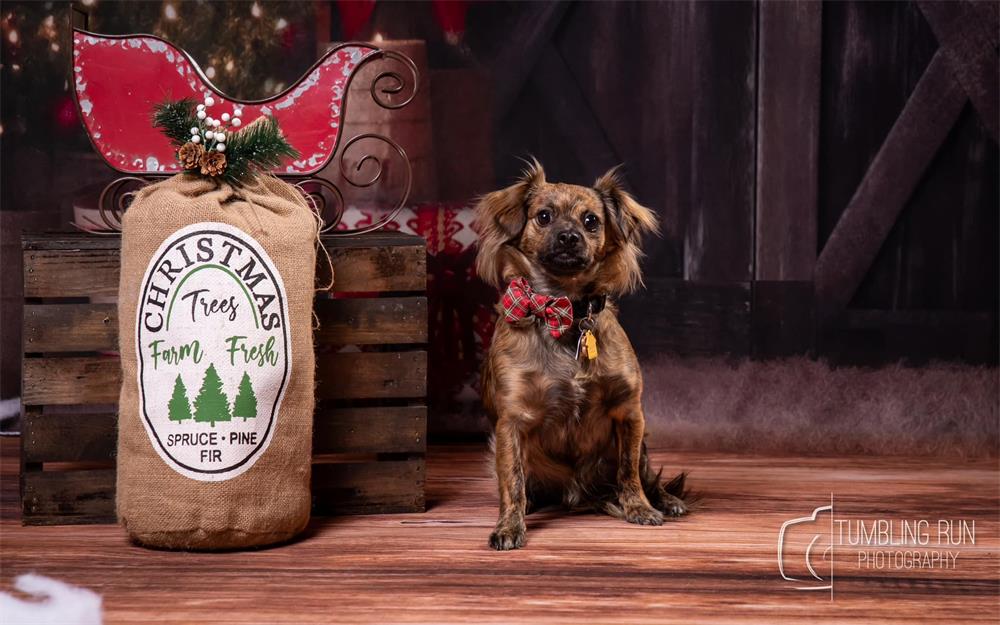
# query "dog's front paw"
(643, 515)
(674, 506)
(507, 536)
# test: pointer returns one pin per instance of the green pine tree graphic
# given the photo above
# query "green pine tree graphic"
(246, 401)
(211, 405)
(179, 407)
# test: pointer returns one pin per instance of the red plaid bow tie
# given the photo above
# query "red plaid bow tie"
(519, 301)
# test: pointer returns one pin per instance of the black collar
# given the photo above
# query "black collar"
(596, 304)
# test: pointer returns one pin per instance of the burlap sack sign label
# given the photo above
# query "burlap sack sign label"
(213, 350)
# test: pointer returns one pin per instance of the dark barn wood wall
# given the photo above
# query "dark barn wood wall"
(749, 127)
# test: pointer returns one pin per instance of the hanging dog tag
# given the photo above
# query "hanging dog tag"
(580, 344)
(591, 343)
(587, 343)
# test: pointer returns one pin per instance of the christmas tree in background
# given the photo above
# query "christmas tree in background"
(179, 407)
(211, 405)
(246, 401)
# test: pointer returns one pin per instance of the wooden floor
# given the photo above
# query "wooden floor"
(718, 565)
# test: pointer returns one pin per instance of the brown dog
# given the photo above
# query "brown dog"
(567, 428)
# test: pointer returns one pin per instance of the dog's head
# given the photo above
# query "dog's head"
(574, 238)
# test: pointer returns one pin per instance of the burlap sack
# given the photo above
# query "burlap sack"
(215, 326)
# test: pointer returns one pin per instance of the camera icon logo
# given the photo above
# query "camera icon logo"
(805, 550)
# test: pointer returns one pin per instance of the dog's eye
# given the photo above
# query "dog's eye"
(591, 222)
(544, 217)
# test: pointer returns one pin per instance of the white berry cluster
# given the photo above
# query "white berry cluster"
(213, 131)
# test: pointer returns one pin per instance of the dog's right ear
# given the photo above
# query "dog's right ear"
(500, 218)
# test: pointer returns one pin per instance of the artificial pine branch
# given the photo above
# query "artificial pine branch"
(258, 146)
(175, 120)
(215, 148)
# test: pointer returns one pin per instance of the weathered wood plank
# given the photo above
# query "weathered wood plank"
(93, 437)
(349, 375)
(68, 437)
(885, 337)
(70, 327)
(372, 321)
(383, 429)
(357, 321)
(782, 318)
(688, 318)
(567, 107)
(513, 64)
(369, 269)
(74, 266)
(71, 272)
(788, 94)
(64, 381)
(88, 496)
(369, 488)
(68, 497)
(971, 47)
(381, 375)
(645, 50)
(718, 241)
(916, 136)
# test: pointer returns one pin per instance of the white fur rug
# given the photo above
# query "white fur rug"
(802, 406)
(49, 602)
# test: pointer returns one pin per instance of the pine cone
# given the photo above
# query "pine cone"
(190, 155)
(213, 163)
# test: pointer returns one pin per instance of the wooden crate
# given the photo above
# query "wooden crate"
(371, 414)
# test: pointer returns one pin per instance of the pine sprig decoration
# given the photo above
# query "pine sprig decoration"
(259, 146)
(219, 147)
(175, 119)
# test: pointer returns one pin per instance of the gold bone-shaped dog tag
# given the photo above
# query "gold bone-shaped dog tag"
(590, 342)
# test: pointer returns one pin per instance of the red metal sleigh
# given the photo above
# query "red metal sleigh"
(118, 79)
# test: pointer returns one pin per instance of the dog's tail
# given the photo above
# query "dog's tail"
(671, 497)
(676, 486)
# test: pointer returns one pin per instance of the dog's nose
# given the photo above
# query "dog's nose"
(568, 238)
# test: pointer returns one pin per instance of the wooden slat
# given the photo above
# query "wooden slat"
(71, 273)
(782, 318)
(718, 238)
(92, 437)
(383, 429)
(75, 266)
(68, 437)
(688, 318)
(353, 375)
(513, 64)
(372, 321)
(63, 381)
(68, 497)
(364, 269)
(369, 488)
(81, 497)
(919, 131)
(788, 94)
(70, 327)
(360, 321)
(573, 118)
(970, 42)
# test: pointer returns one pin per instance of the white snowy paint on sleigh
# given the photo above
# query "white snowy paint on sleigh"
(118, 80)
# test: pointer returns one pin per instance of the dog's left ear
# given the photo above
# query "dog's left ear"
(627, 222)
(629, 219)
